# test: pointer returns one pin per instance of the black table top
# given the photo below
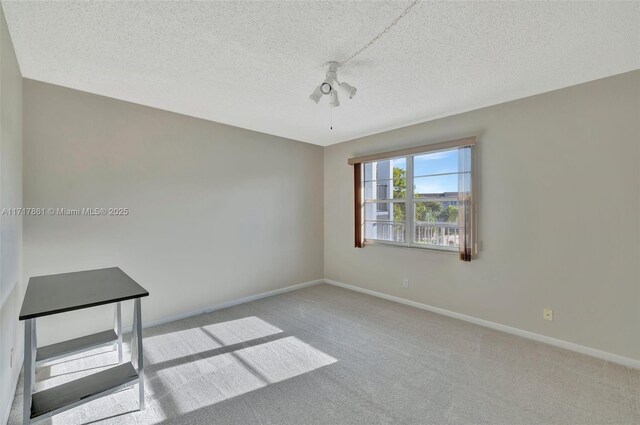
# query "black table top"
(58, 293)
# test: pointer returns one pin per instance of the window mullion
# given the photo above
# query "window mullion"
(409, 202)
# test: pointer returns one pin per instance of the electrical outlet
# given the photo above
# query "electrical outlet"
(547, 314)
(405, 283)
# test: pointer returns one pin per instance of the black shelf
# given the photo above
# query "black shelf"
(76, 345)
(74, 393)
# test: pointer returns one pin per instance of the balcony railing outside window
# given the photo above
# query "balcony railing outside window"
(438, 234)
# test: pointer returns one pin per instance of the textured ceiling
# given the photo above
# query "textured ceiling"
(254, 64)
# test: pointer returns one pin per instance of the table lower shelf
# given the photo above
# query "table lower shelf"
(62, 397)
(66, 348)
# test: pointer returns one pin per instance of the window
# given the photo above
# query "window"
(384, 209)
(419, 197)
(382, 192)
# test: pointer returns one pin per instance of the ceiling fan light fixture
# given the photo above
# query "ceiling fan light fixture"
(333, 99)
(316, 95)
(348, 90)
(330, 86)
(326, 87)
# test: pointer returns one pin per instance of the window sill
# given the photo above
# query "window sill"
(430, 248)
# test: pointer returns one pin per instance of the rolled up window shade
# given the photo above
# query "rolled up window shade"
(466, 203)
(357, 197)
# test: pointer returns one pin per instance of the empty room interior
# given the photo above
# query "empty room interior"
(320, 212)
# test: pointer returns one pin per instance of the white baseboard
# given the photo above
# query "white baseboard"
(263, 295)
(604, 355)
(230, 303)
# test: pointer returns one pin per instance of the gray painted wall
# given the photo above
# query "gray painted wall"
(216, 212)
(559, 217)
(11, 286)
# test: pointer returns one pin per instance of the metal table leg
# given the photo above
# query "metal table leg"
(29, 363)
(117, 326)
(34, 349)
(137, 334)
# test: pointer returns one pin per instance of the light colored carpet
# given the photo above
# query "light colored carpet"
(326, 355)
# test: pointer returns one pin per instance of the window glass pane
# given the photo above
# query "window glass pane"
(385, 221)
(385, 189)
(385, 170)
(384, 230)
(436, 186)
(386, 211)
(368, 171)
(436, 223)
(436, 163)
(437, 211)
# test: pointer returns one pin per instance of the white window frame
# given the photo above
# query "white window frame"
(409, 201)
